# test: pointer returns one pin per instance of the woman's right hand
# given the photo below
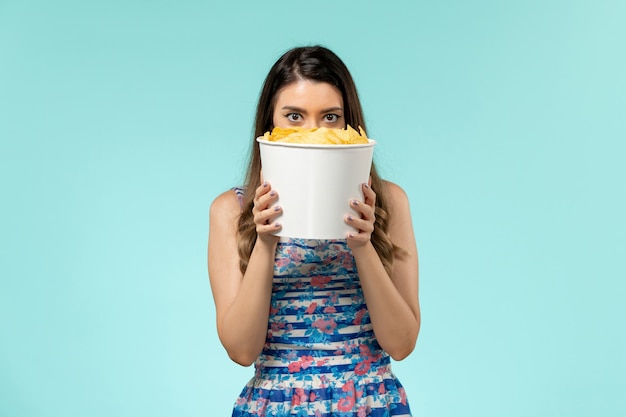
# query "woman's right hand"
(264, 215)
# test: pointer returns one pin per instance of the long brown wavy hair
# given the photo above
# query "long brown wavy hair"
(318, 64)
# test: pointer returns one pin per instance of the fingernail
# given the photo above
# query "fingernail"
(351, 235)
(350, 218)
(272, 193)
(366, 185)
(277, 208)
(276, 224)
(356, 203)
(265, 184)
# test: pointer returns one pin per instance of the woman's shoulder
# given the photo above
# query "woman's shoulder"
(227, 203)
(400, 220)
(394, 193)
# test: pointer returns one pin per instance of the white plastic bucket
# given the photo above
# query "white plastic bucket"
(315, 184)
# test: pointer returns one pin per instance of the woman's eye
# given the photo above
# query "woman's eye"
(331, 118)
(294, 117)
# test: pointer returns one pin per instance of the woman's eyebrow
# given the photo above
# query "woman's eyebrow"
(328, 110)
(303, 111)
(292, 108)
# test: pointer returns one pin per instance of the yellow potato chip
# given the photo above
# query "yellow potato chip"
(317, 136)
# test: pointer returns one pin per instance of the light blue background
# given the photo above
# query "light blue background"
(121, 121)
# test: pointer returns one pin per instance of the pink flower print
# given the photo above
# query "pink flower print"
(326, 326)
(306, 361)
(294, 255)
(358, 318)
(402, 395)
(321, 362)
(362, 411)
(282, 262)
(346, 262)
(348, 387)
(362, 368)
(365, 351)
(295, 400)
(311, 308)
(312, 397)
(381, 389)
(298, 397)
(319, 281)
(345, 404)
(262, 406)
(276, 326)
(344, 259)
(294, 367)
(330, 309)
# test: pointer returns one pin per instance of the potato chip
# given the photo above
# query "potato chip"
(317, 136)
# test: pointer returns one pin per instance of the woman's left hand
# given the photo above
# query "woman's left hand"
(364, 221)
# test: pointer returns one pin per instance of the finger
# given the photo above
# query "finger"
(262, 189)
(361, 225)
(267, 216)
(358, 237)
(266, 199)
(269, 228)
(369, 195)
(364, 210)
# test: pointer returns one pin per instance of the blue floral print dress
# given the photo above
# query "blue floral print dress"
(320, 357)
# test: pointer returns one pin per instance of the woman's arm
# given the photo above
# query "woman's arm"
(242, 302)
(392, 301)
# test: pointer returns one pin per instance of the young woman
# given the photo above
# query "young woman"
(318, 318)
